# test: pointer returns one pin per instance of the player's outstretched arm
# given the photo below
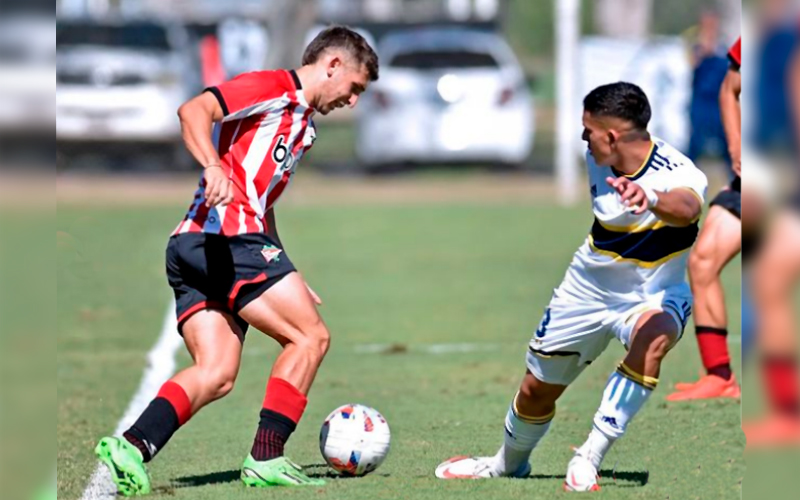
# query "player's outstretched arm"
(197, 117)
(678, 207)
(732, 116)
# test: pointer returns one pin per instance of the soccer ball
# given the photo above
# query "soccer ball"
(354, 439)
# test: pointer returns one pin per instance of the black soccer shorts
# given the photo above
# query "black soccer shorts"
(212, 271)
(731, 199)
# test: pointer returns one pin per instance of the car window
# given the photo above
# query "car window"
(134, 36)
(437, 59)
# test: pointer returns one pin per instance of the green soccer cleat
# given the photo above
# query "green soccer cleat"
(124, 461)
(276, 472)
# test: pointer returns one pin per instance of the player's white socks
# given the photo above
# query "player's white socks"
(625, 394)
(522, 434)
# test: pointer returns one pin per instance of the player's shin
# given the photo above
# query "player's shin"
(522, 434)
(283, 407)
(625, 394)
(163, 417)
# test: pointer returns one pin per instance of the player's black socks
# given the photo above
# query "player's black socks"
(723, 371)
(274, 430)
(154, 428)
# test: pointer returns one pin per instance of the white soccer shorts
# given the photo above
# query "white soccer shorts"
(573, 333)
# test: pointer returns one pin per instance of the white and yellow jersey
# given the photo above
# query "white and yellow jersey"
(627, 256)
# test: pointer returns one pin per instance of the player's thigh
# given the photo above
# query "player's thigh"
(778, 264)
(287, 312)
(214, 340)
(719, 241)
(569, 337)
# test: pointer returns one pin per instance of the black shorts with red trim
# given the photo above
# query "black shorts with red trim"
(212, 271)
(730, 198)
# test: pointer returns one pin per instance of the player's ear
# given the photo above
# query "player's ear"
(334, 64)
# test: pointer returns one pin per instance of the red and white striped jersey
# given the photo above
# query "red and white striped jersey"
(266, 129)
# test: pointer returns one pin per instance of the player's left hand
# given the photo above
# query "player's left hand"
(314, 295)
(632, 194)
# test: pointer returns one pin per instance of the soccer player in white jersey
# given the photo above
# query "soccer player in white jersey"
(627, 281)
(227, 266)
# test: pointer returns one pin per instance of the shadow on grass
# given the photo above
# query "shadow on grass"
(638, 478)
(221, 477)
(229, 476)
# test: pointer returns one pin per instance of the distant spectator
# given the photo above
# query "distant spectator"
(773, 124)
(710, 66)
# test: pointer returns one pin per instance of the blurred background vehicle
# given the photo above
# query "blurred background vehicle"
(27, 85)
(446, 95)
(120, 83)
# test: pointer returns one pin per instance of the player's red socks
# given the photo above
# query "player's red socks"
(282, 409)
(163, 417)
(780, 375)
(713, 343)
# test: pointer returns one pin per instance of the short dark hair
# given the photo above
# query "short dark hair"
(347, 39)
(619, 100)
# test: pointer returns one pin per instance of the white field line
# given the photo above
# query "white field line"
(161, 365)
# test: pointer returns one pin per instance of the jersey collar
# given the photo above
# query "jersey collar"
(645, 165)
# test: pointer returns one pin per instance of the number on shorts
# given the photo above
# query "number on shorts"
(542, 330)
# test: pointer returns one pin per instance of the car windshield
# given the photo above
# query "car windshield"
(134, 36)
(437, 59)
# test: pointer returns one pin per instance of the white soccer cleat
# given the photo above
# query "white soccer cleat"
(581, 475)
(464, 467)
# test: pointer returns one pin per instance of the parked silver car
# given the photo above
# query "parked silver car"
(120, 82)
(446, 95)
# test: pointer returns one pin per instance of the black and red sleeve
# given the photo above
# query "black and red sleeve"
(735, 55)
(246, 94)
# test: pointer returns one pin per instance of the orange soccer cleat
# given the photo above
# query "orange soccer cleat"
(774, 431)
(708, 387)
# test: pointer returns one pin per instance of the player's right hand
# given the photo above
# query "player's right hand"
(219, 188)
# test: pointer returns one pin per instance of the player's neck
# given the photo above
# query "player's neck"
(306, 76)
(634, 156)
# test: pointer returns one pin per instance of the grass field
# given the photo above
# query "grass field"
(396, 278)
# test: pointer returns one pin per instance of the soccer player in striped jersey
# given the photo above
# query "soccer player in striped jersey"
(627, 281)
(719, 242)
(227, 265)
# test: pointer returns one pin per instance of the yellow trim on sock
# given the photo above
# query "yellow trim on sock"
(643, 380)
(531, 419)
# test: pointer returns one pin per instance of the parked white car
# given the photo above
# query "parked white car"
(119, 82)
(445, 95)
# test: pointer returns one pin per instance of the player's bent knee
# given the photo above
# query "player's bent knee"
(703, 268)
(218, 383)
(315, 341)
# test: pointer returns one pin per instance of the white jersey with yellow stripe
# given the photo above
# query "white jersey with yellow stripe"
(626, 256)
